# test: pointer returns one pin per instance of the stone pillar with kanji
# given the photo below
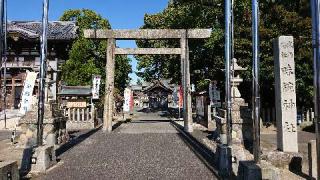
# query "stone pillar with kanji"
(285, 90)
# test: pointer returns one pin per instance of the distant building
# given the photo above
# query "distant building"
(156, 95)
(23, 55)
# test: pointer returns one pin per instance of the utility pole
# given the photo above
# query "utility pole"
(255, 78)
(2, 52)
(315, 10)
(5, 48)
(43, 69)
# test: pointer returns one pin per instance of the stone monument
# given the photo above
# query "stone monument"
(285, 91)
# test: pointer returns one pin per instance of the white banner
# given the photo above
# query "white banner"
(27, 92)
(127, 99)
(96, 86)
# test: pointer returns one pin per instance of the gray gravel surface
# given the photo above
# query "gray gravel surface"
(128, 154)
(6, 135)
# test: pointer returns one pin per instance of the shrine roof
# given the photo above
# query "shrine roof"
(136, 88)
(57, 30)
(158, 84)
(75, 91)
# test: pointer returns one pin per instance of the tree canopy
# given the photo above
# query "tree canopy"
(88, 57)
(277, 17)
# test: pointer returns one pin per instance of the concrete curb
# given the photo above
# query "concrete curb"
(203, 153)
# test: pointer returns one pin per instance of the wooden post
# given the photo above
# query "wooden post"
(186, 85)
(69, 114)
(73, 114)
(88, 117)
(92, 113)
(78, 114)
(83, 115)
(308, 116)
(13, 92)
(108, 104)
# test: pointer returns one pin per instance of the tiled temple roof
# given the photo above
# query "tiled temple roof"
(75, 91)
(158, 83)
(58, 30)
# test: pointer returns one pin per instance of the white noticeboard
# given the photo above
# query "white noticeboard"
(96, 86)
(211, 92)
(127, 97)
(27, 92)
(200, 106)
(175, 96)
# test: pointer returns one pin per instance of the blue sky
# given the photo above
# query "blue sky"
(122, 14)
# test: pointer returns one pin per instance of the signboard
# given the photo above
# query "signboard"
(77, 104)
(200, 105)
(193, 88)
(216, 95)
(175, 96)
(216, 104)
(27, 91)
(211, 92)
(131, 103)
(96, 86)
(180, 97)
(127, 99)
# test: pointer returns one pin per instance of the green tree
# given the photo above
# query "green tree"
(87, 57)
(277, 17)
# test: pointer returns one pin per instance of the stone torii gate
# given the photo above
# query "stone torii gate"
(112, 35)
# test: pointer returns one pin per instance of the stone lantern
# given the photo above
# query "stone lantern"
(236, 79)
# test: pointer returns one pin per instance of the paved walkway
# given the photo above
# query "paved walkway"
(147, 148)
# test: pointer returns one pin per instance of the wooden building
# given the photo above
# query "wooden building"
(23, 54)
(155, 95)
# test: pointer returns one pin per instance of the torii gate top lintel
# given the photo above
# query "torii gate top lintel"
(126, 34)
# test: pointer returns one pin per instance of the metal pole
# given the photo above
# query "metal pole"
(256, 89)
(43, 67)
(315, 7)
(232, 30)
(227, 67)
(2, 44)
(5, 64)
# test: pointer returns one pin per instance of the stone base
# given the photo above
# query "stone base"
(80, 125)
(43, 158)
(283, 160)
(249, 170)
(222, 159)
(239, 154)
(9, 170)
(269, 171)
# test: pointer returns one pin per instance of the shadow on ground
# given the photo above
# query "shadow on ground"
(311, 128)
(201, 151)
(75, 140)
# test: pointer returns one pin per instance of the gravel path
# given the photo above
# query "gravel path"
(5, 135)
(137, 150)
